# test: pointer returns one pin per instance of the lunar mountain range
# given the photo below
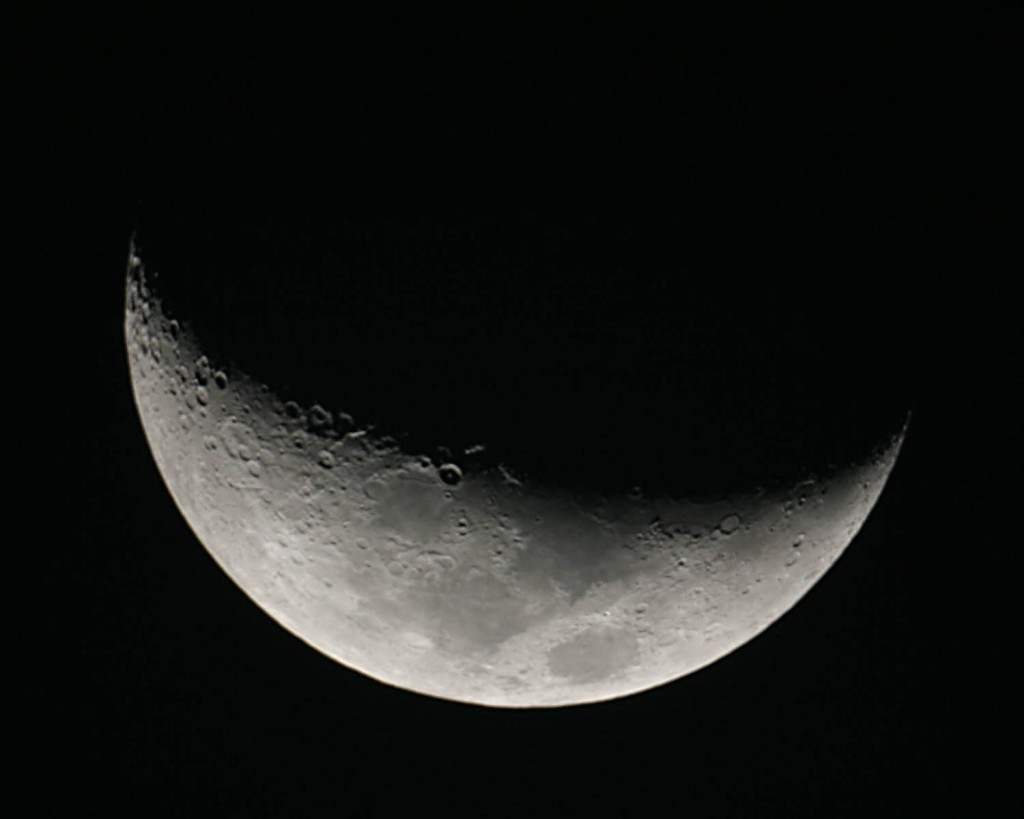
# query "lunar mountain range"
(477, 584)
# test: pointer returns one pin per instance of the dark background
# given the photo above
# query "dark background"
(796, 238)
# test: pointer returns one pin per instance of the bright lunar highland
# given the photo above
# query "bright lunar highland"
(477, 585)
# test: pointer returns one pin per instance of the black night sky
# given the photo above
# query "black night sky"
(798, 239)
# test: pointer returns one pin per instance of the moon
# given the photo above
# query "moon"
(473, 584)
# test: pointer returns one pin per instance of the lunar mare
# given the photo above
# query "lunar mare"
(472, 585)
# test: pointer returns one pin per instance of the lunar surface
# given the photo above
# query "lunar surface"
(469, 584)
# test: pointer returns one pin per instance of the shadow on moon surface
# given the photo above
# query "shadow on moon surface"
(672, 353)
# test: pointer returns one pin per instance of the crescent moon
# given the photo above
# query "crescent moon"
(476, 585)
